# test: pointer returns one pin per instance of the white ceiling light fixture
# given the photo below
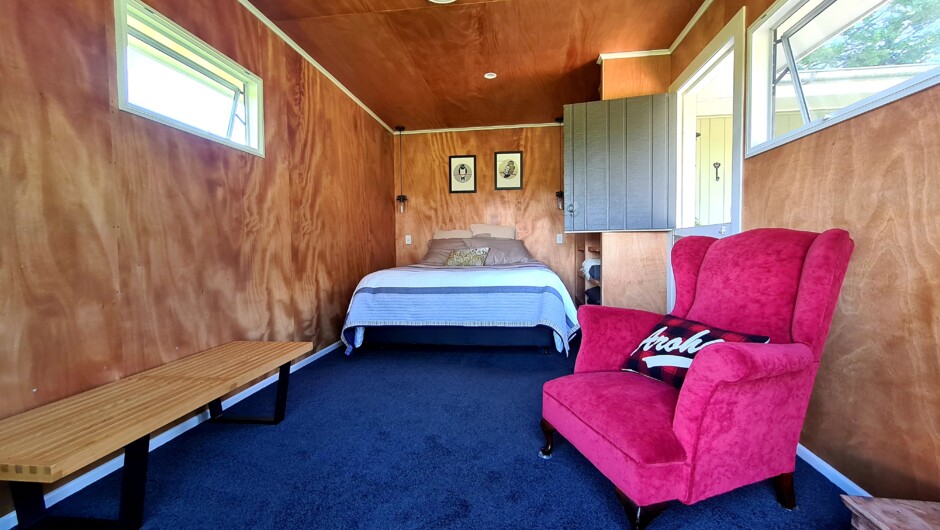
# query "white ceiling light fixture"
(490, 75)
(442, 1)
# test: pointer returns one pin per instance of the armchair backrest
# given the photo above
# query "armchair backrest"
(771, 281)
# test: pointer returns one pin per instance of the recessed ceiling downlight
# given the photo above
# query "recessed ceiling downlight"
(490, 75)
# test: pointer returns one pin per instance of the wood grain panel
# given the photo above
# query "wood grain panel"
(635, 76)
(398, 82)
(874, 410)
(634, 270)
(59, 315)
(532, 210)
(294, 9)
(421, 65)
(342, 205)
(204, 244)
(128, 244)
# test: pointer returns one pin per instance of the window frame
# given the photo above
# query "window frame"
(731, 39)
(760, 43)
(254, 85)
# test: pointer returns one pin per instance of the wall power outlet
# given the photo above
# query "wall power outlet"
(408, 239)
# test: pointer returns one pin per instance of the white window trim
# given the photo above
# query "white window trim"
(256, 132)
(731, 38)
(758, 89)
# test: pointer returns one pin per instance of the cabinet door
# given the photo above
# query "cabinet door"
(597, 176)
(620, 169)
(575, 167)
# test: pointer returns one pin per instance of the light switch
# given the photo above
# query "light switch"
(560, 239)
(408, 239)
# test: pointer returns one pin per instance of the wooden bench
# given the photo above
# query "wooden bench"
(48, 443)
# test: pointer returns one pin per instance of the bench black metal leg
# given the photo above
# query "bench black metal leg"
(134, 483)
(30, 505)
(280, 404)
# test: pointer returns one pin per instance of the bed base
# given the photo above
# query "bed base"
(538, 336)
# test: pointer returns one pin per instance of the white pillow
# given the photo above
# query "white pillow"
(452, 234)
(497, 231)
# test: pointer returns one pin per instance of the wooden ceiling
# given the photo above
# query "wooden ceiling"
(421, 65)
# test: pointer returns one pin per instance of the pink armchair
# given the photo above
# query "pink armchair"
(737, 418)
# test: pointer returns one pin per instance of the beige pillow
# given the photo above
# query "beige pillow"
(503, 232)
(439, 250)
(502, 251)
(468, 257)
(452, 234)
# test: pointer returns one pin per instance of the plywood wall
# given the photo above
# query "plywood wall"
(634, 270)
(532, 210)
(635, 76)
(874, 410)
(125, 244)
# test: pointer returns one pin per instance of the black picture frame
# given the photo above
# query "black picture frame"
(499, 180)
(453, 167)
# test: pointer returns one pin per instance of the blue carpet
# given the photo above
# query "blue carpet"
(415, 439)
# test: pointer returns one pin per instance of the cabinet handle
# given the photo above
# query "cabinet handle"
(717, 165)
(571, 209)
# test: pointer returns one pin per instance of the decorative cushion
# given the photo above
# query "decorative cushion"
(498, 231)
(439, 250)
(469, 257)
(668, 351)
(452, 234)
(502, 251)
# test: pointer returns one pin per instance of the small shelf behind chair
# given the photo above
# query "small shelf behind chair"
(588, 246)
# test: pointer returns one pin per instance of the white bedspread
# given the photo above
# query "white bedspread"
(494, 296)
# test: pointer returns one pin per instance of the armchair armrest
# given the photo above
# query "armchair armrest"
(730, 362)
(740, 413)
(609, 335)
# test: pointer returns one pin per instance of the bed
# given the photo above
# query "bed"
(509, 301)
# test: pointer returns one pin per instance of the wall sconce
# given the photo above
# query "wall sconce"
(401, 198)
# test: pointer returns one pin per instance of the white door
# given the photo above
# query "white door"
(711, 141)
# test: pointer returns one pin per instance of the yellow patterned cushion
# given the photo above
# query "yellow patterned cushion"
(468, 257)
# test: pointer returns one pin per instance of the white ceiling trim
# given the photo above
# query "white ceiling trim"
(484, 128)
(630, 55)
(675, 44)
(688, 27)
(290, 42)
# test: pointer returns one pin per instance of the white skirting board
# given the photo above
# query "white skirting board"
(8, 521)
(840, 480)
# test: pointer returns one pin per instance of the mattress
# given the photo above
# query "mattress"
(510, 296)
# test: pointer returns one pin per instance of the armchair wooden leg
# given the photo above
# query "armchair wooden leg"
(786, 494)
(639, 516)
(549, 432)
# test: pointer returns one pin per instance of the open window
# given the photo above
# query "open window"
(818, 62)
(168, 75)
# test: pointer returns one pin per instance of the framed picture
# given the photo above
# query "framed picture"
(463, 174)
(508, 170)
